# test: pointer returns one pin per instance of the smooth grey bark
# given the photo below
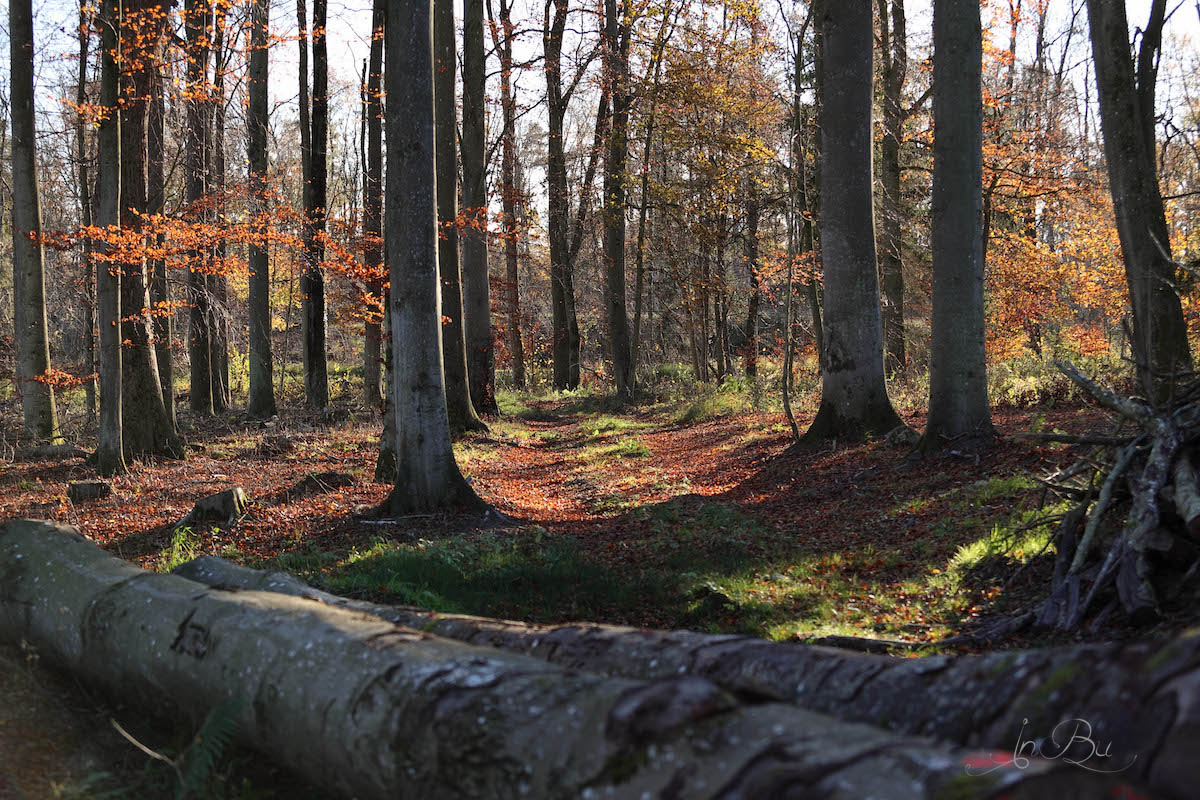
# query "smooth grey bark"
(110, 450)
(315, 120)
(502, 38)
(29, 280)
(893, 51)
(197, 21)
(481, 359)
(958, 401)
(618, 21)
(162, 320)
(459, 409)
(854, 401)
(262, 392)
(427, 476)
(87, 14)
(373, 208)
(369, 709)
(146, 428)
(1136, 695)
(1127, 116)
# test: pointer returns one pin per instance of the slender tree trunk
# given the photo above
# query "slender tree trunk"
(481, 359)
(218, 283)
(502, 38)
(160, 294)
(640, 268)
(86, 20)
(312, 279)
(29, 281)
(958, 403)
(146, 428)
(616, 44)
(854, 401)
(461, 412)
(751, 257)
(558, 201)
(110, 450)
(373, 209)
(426, 475)
(198, 29)
(262, 391)
(893, 50)
(1127, 115)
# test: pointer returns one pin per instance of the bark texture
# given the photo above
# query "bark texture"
(854, 401)
(427, 476)
(1127, 118)
(110, 451)
(893, 52)
(958, 402)
(369, 709)
(1139, 696)
(481, 359)
(29, 279)
(373, 209)
(618, 20)
(262, 392)
(459, 409)
(312, 278)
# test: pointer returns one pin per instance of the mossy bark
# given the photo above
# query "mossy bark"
(369, 709)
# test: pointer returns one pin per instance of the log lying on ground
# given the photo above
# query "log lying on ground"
(1142, 698)
(369, 709)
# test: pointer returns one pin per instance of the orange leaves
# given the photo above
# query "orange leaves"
(58, 379)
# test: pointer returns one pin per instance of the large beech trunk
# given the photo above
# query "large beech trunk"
(369, 709)
(1141, 697)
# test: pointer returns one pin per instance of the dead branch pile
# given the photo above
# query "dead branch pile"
(1131, 538)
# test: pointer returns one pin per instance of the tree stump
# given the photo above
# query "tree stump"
(83, 491)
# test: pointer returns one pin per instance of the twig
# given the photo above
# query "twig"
(1106, 491)
(153, 754)
(1066, 438)
(1125, 406)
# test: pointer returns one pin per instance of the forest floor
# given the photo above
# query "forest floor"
(662, 516)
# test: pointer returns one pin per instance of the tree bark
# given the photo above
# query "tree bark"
(218, 282)
(426, 475)
(162, 317)
(262, 392)
(1127, 115)
(477, 309)
(958, 402)
(312, 279)
(198, 31)
(502, 38)
(86, 21)
(976, 701)
(146, 428)
(893, 50)
(750, 252)
(110, 450)
(373, 209)
(854, 401)
(618, 21)
(459, 409)
(369, 709)
(29, 280)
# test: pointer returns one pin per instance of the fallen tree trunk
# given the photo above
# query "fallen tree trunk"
(369, 709)
(1141, 698)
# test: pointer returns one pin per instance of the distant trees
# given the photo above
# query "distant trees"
(29, 301)
(683, 207)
